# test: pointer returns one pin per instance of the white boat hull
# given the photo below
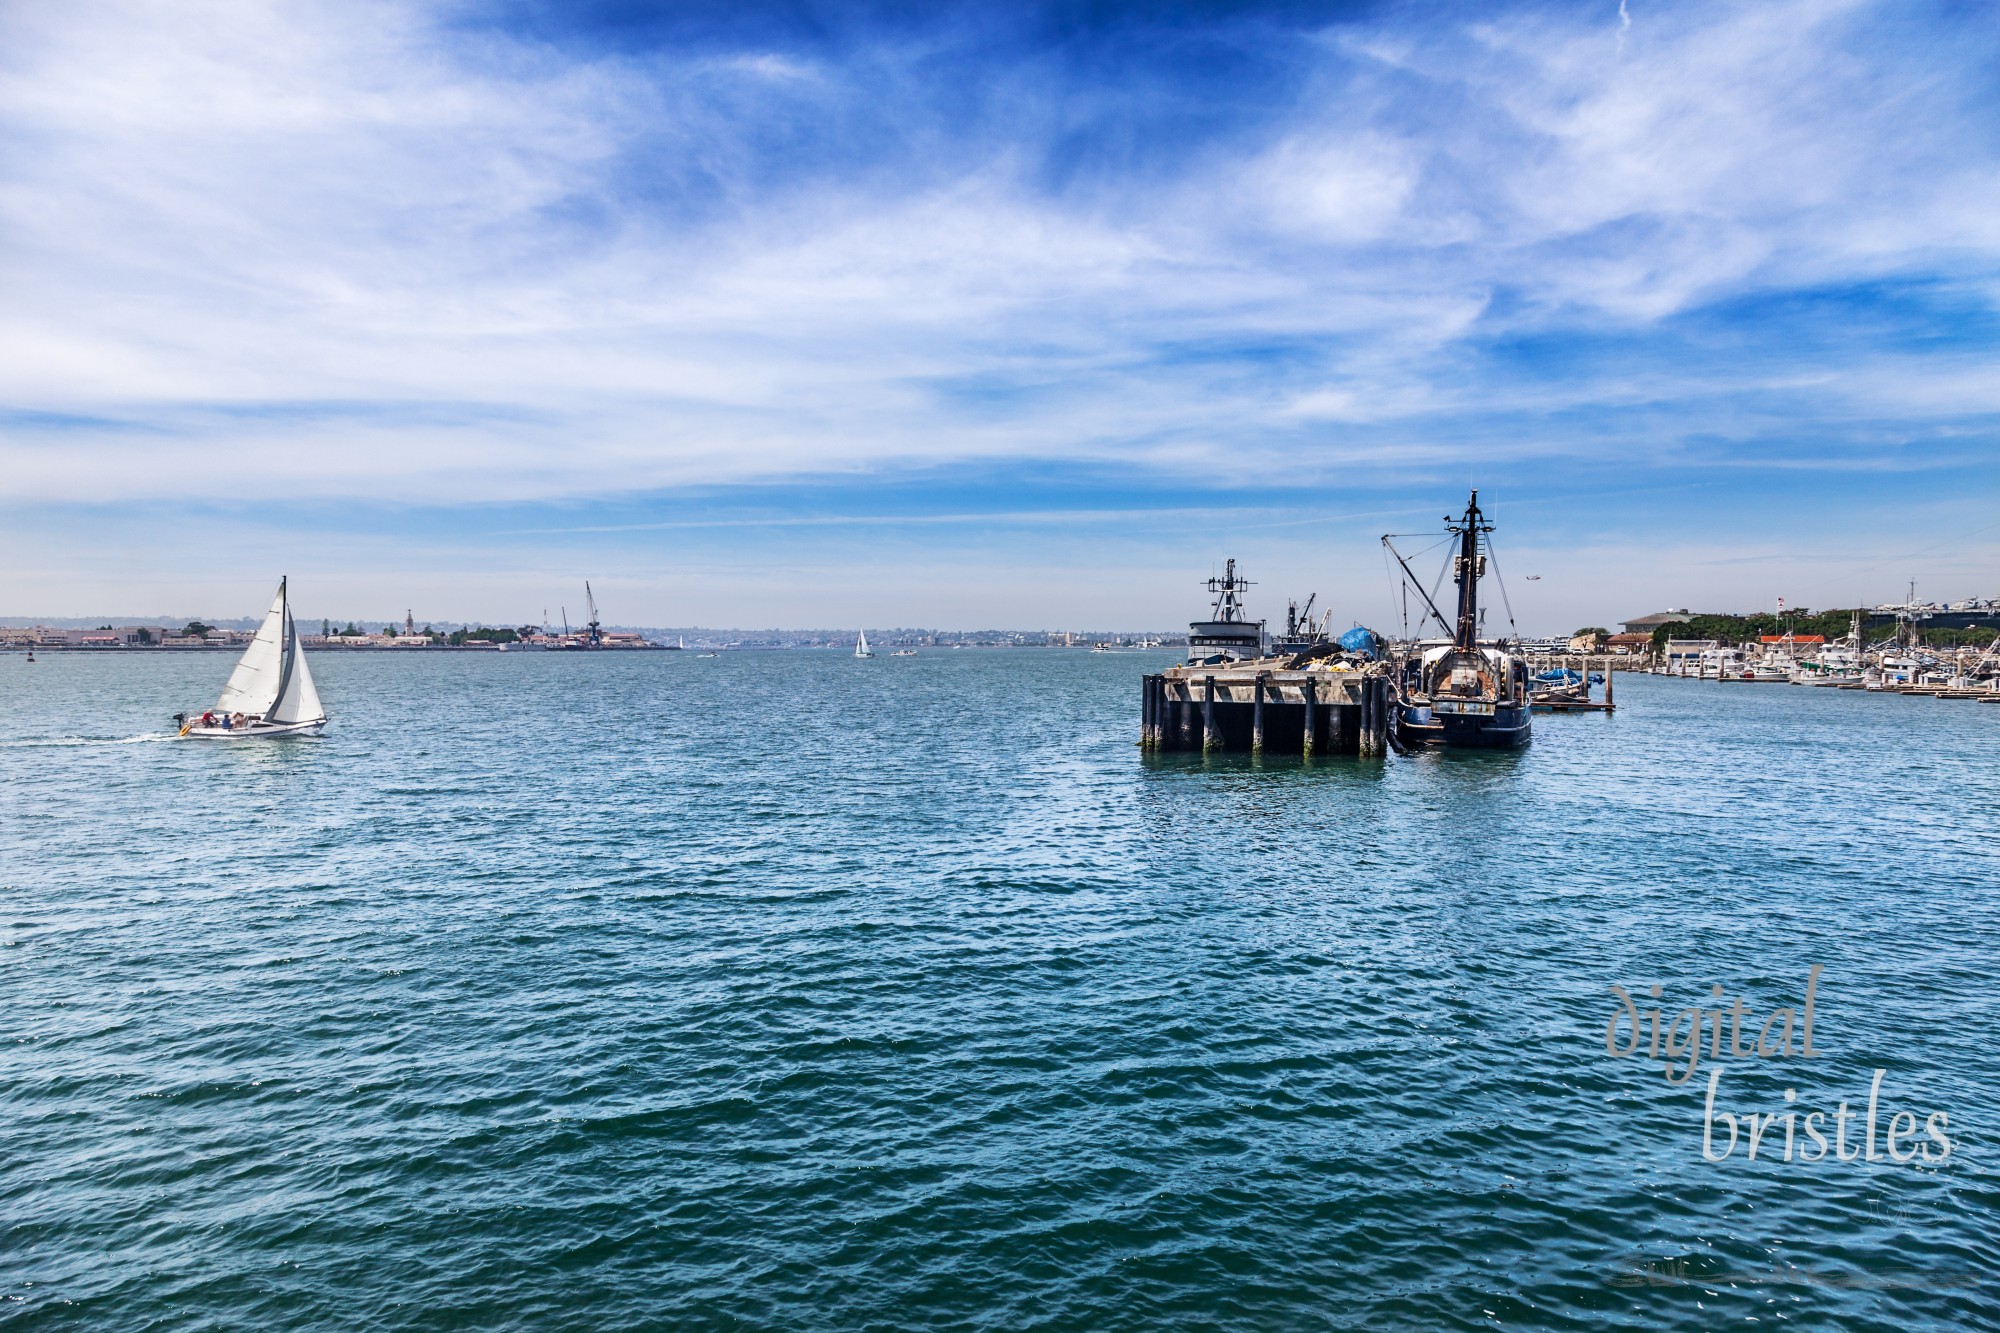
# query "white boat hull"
(254, 731)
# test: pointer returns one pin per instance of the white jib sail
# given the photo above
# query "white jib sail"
(300, 701)
(253, 686)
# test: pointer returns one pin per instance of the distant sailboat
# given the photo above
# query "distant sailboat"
(270, 693)
(861, 648)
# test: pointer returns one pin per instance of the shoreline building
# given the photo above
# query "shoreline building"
(1647, 624)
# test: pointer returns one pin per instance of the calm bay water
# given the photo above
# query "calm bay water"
(789, 991)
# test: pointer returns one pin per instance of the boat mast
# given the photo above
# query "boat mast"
(1228, 592)
(1466, 569)
(286, 644)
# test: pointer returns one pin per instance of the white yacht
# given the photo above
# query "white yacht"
(270, 693)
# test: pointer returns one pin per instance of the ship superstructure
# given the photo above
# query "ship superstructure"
(1228, 635)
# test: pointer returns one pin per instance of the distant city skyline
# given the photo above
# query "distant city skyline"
(994, 315)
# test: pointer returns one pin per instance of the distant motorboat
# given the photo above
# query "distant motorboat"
(861, 648)
(904, 652)
(270, 693)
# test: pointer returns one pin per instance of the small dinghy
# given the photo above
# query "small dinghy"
(270, 693)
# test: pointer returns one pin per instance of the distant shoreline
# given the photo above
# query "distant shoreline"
(342, 650)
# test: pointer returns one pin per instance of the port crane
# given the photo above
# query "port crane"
(1299, 621)
(593, 632)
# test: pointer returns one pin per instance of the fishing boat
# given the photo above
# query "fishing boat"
(270, 693)
(1465, 692)
(861, 648)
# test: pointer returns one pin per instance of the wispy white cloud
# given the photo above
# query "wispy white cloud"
(345, 249)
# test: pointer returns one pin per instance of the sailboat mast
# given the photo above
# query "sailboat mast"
(287, 644)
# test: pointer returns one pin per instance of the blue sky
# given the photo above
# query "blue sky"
(992, 314)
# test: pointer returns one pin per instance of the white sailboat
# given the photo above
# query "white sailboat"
(861, 648)
(270, 693)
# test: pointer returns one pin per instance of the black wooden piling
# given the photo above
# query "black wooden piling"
(1187, 715)
(1373, 692)
(1209, 740)
(1310, 691)
(1257, 716)
(1384, 715)
(1366, 718)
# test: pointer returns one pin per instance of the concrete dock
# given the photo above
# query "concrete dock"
(1265, 707)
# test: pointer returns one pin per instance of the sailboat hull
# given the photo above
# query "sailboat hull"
(256, 731)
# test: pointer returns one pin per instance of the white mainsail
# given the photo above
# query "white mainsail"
(271, 680)
(253, 687)
(861, 645)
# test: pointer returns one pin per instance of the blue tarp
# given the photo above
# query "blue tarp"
(1560, 676)
(1361, 641)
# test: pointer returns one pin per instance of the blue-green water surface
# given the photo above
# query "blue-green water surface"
(790, 991)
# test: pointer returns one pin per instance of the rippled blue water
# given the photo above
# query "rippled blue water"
(789, 991)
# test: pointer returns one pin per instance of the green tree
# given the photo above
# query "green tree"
(1732, 629)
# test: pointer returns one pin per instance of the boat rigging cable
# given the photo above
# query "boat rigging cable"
(1500, 579)
(1429, 600)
